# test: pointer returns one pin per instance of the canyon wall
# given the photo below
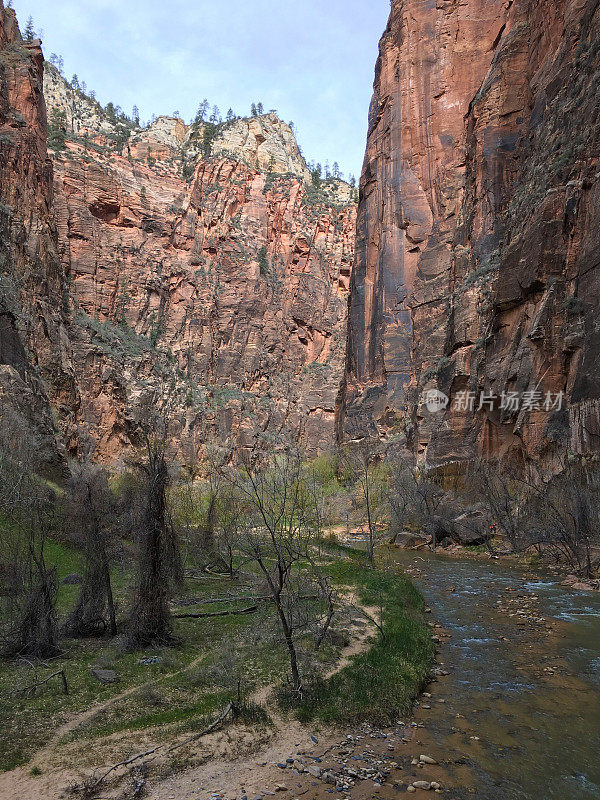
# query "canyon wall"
(205, 273)
(37, 382)
(477, 254)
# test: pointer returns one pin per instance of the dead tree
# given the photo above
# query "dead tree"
(277, 537)
(91, 512)
(28, 622)
(159, 564)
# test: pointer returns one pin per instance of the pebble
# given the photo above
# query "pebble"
(427, 759)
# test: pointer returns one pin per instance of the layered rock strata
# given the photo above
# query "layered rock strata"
(477, 251)
(215, 280)
(37, 382)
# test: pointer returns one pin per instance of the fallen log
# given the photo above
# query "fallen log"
(34, 686)
(205, 614)
(132, 759)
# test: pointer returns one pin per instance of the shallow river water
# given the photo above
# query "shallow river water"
(524, 660)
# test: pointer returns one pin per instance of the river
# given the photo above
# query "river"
(518, 717)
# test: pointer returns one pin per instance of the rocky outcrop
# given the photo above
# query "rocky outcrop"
(477, 256)
(35, 365)
(217, 280)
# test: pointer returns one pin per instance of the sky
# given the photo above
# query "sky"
(311, 60)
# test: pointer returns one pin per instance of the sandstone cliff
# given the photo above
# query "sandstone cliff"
(478, 224)
(35, 366)
(211, 274)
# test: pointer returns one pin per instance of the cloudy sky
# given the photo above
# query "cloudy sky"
(312, 60)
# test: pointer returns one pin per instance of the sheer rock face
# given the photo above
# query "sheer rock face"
(478, 227)
(35, 359)
(220, 283)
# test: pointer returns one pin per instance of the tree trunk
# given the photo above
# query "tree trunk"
(289, 641)
(112, 617)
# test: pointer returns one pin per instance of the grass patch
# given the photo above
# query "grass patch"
(382, 682)
(179, 688)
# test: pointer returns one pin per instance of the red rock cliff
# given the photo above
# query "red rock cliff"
(478, 225)
(35, 366)
(217, 280)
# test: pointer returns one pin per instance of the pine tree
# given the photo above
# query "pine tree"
(263, 261)
(327, 171)
(335, 170)
(316, 176)
(75, 82)
(201, 113)
(135, 115)
(253, 109)
(230, 115)
(259, 109)
(29, 34)
(60, 64)
(57, 129)
(215, 117)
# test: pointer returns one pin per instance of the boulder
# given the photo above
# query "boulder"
(471, 528)
(104, 675)
(409, 540)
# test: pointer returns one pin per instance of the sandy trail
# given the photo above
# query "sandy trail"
(233, 758)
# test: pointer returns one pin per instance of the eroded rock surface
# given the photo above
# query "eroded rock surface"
(35, 363)
(219, 281)
(477, 253)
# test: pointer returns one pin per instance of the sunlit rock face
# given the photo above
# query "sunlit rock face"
(219, 283)
(478, 226)
(35, 360)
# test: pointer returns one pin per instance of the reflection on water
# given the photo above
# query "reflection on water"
(531, 696)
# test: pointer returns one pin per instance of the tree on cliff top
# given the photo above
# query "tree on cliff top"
(201, 112)
(29, 34)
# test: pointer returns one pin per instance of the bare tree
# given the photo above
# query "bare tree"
(159, 567)
(28, 620)
(497, 486)
(279, 539)
(563, 514)
(91, 514)
(364, 464)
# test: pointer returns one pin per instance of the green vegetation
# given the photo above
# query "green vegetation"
(194, 593)
(263, 261)
(382, 682)
(57, 134)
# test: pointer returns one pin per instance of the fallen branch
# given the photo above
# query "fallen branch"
(365, 614)
(199, 601)
(34, 686)
(127, 761)
(210, 729)
(205, 614)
